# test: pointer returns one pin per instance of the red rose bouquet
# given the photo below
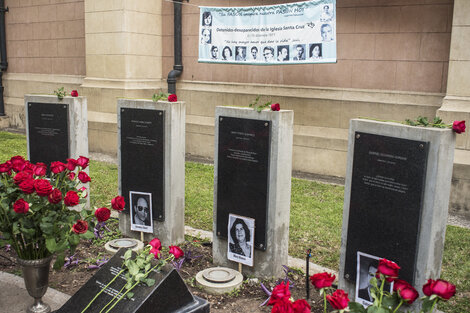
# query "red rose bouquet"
(38, 214)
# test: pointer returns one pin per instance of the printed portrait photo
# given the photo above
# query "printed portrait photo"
(141, 211)
(240, 239)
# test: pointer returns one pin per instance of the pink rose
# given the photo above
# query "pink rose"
(176, 251)
(83, 177)
(71, 198)
(43, 187)
(458, 127)
(389, 269)
(83, 162)
(80, 227)
(156, 243)
(55, 196)
(118, 203)
(280, 292)
(322, 280)
(172, 98)
(20, 206)
(155, 252)
(102, 214)
(57, 167)
(339, 300)
(275, 107)
(74, 93)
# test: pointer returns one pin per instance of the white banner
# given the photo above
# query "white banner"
(293, 33)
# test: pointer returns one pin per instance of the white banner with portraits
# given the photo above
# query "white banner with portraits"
(241, 233)
(141, 211)
(291, 33)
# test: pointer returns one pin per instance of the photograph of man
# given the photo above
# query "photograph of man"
(268, 53)
(315, 51)
(214, 53)
(227, 53)
(299, 51)
(206, 36)
(207, 19)
(366, 268)
(240, 242)
(240, 53)
(141, 211)
(254, 53)
(283, 53)
(326, 32)
(326, 15)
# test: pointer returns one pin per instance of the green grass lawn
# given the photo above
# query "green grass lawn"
(315, 221)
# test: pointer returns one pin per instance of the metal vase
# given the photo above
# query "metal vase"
(36, 280)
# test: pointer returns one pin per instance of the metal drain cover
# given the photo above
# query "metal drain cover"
(218, 275)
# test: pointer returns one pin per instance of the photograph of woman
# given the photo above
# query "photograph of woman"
(206, 19)
(315, 51)
(227, 53)
(241, 239)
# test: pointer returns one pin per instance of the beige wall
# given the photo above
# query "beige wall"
(45, 36)
(386, 45)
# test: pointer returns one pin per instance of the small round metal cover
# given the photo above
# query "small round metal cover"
(123, 243)
(218, 275)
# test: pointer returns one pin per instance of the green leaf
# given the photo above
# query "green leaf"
(390, 301)
(51, 245)
(47, 228)
(374, 309)
(128, 254)
(130, 295)
(60, 261)
(149, 281)
(133, 268)
(88, 235)
(147, 266)
(139, 277)
(355, 307)
(74, 239)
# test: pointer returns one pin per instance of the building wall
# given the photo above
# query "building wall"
(45, 36)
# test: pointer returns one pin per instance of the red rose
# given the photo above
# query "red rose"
(71, 164)
(176, 251)
(21, 177)
(43, 187)
(339, 299)
(408, 294)
(440, 287)
(118, 203)
(74, 93)
(155, 252)
(387, 268)
(20, 206)
(82, 192)
(400, 284)
(279, 293)
(71, 175)
(83, 177)
(5, 167)
(57, 167)
(27, 186)
(283, 306)
(301, 306)
(55, 196)
(40, 169)
(102, 214)
(17, 163)
(83, 162)
(80, 227)
(156, 243)
(275, 107)
(458, 127)
(28, 167)
(71, 198)
(172, 98)
(322, 280)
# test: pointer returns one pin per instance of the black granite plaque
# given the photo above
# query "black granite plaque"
(48, 132)
(242, 171)
(142, 156)
(386, 201)
(169, 294)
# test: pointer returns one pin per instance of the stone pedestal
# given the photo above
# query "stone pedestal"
(168, 225)
(272, 253)
(432, 197)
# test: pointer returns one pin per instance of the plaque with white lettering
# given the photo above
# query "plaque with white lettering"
(142, 157)
(48, 132)
(242, 172)
(386, 201)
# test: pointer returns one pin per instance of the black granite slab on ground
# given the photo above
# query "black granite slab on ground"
(169, 294)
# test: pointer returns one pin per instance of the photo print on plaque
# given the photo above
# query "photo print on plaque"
(240, 241)
(366, 268)
(141, 211)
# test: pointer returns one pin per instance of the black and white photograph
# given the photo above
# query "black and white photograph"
(240, 239)
(141, 211)
(366, 268)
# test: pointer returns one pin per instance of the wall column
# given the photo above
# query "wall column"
(123, 60)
